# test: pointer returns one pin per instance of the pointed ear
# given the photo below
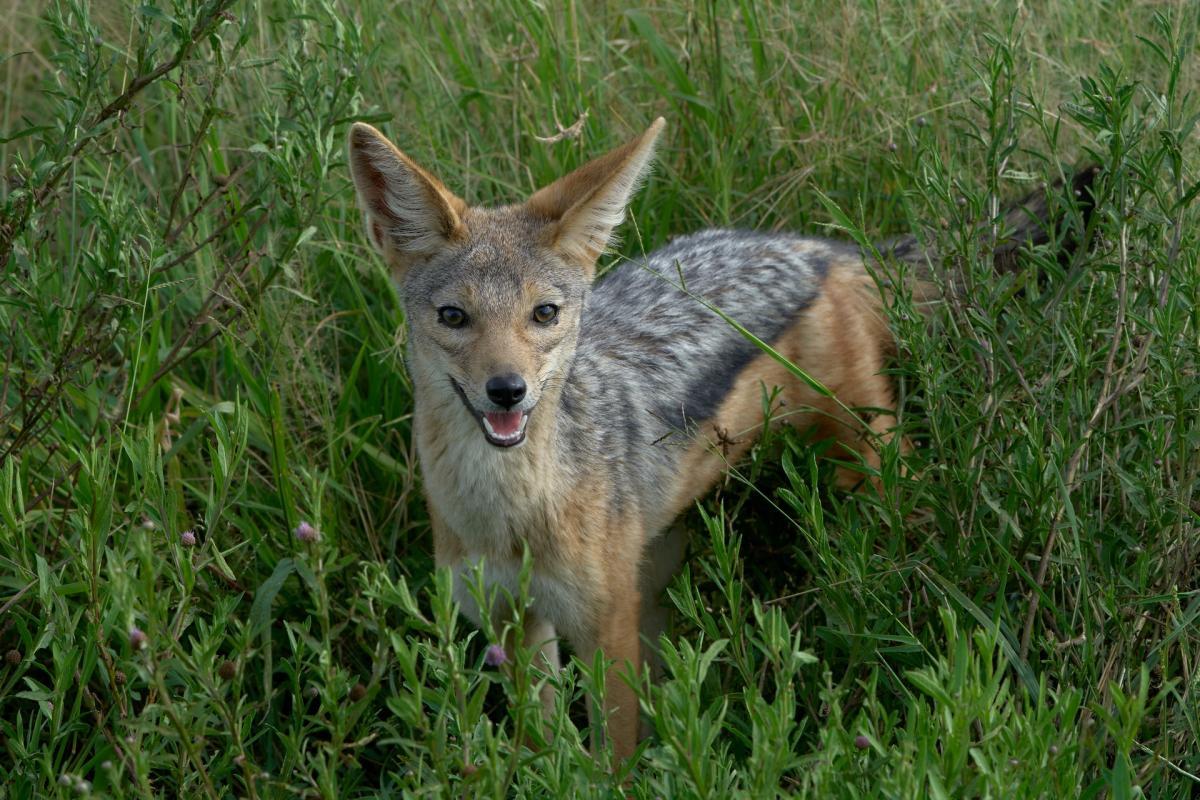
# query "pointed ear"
(409, 214)
(586, 205)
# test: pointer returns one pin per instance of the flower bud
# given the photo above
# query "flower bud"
(494, 656)
(306, 533)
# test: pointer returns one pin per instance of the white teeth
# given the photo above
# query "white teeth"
(509, 437)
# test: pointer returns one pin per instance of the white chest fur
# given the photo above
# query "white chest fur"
(489, 497)
(493, 500)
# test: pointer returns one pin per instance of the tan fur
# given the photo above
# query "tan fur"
(841, 341)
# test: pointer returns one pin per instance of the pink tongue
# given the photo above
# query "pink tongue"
(504, 423)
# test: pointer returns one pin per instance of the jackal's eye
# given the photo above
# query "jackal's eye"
(452, 317)
(545, 313)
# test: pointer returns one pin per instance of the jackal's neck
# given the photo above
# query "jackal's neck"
(491, 497)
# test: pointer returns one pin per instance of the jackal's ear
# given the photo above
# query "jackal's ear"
(409, 214)
(586, 205)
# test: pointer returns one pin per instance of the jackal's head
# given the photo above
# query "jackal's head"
(493, 297)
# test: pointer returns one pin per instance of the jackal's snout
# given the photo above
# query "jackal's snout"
(505, 428)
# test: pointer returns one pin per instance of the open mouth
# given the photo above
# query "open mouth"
(500, 428)
(504, 428)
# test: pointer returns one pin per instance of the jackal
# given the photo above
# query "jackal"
(578, 421)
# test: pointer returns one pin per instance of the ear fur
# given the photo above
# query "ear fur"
(586, 205)
(409, 214)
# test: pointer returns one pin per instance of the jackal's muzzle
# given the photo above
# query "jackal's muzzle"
(500, 428)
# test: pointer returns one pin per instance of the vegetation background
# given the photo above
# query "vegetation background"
(198, 352)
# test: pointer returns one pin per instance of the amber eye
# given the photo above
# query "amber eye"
(452, 317)
(545, 313)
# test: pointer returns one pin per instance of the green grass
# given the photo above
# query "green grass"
(195, 336)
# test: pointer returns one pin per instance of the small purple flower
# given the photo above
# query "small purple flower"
(862, 742)
(187, 539)
(306, 533)
(137, 639)
(494, 656)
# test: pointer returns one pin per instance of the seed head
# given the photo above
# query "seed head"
(227, 670)
(494, 656)
(13, 656)
(306, 533)
(862, 742)
(358, 693)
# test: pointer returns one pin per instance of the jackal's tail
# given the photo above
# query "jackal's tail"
(1035, 220)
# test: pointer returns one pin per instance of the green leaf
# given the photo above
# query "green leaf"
(260, 611)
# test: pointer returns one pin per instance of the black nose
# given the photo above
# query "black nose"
(506, 390)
